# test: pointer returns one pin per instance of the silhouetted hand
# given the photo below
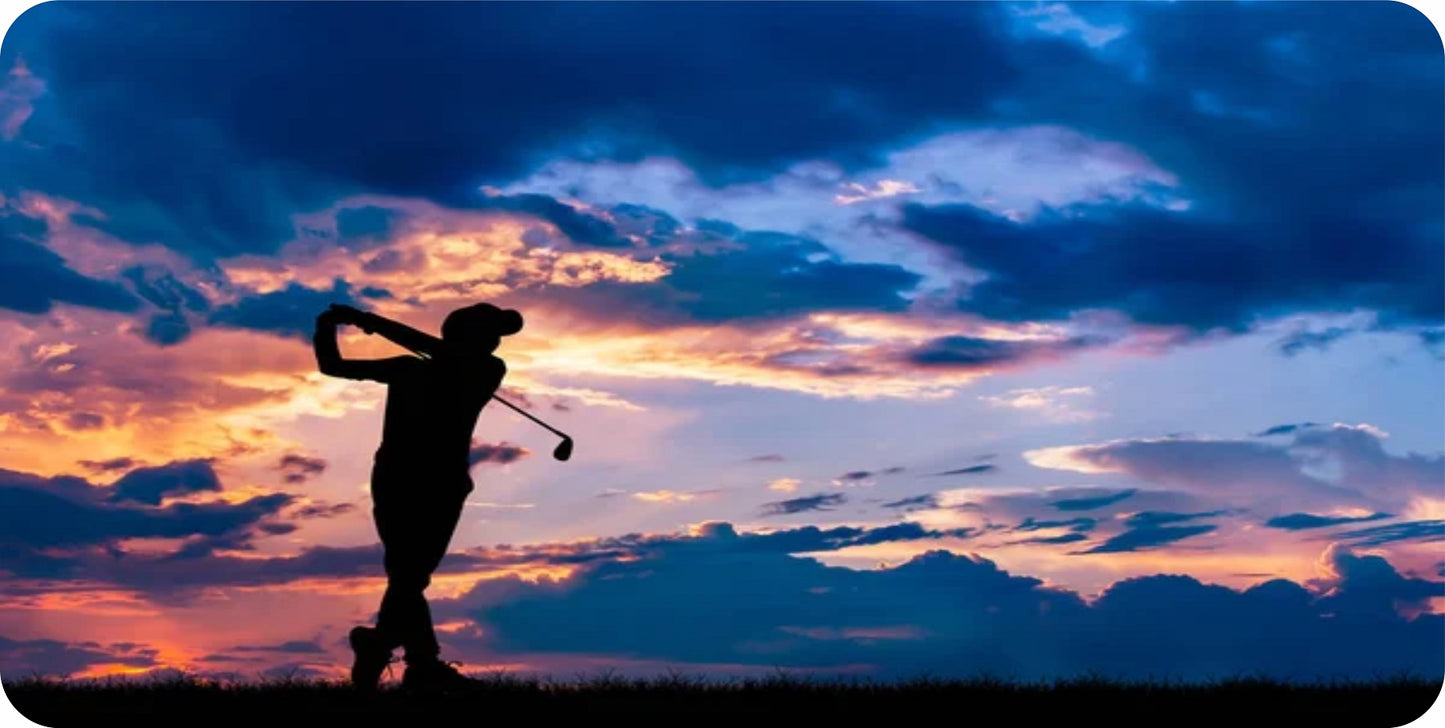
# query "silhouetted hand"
(350, 315)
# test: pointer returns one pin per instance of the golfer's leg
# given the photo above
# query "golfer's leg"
(441, 521)
(402, 606)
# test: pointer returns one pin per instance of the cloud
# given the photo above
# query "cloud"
(291, 647)
(929, 500)
(1159, 518)
(290, 311)
(1145, 537)
(501, 453)
(296, 468)
(180, 577)
(668, 496)
(1299, 341)
(1051, 402)
(59, 658)
(149, 485)
(784, 485)
(1144, 251)
(970, 470)
(1063, 538)
(34, 278)
(40, 513)
(1288, 429)
(865, 477)
(1079, 525)
(17, 97)
(967, 352)
(1088, 504)
(221, 657)
(820, 502)
(107, 466)
(769, 458)
(1336, 466)
(322, 510)
(1059, 19)
(1304, 521)
(1420, 531)
(951, 615)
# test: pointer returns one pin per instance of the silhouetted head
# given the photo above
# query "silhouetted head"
(478, 329)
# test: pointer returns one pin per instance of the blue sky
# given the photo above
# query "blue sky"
(975, 311)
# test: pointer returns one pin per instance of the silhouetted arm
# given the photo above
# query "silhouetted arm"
(398, 333)
(329, 361)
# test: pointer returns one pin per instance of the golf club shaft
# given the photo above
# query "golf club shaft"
(524, 413)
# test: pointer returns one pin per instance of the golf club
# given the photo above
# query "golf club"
(564, 448)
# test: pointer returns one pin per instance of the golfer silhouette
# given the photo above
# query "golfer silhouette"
(420, 475)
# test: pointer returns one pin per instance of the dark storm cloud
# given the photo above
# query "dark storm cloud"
(1307, 196)
(941, 614)
(209, 157)
(1305, 521)
(820, 502)
(1088, 504)
(1306, 199)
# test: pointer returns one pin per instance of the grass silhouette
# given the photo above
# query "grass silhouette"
(1386, 702)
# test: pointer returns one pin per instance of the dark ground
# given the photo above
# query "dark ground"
(508, 700)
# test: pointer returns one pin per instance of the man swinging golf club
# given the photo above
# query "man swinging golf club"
(420, 475)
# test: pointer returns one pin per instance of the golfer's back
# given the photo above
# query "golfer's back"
(432, 407)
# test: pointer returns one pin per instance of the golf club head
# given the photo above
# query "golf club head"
(564, 449)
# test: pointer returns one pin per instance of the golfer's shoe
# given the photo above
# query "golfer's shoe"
(372, 658)
(435, 675)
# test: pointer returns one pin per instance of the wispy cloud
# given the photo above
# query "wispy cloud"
(1057, 404)
(820, 502)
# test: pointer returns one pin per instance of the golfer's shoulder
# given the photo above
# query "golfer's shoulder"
(496, 364)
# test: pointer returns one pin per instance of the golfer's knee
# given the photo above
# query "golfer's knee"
(408, 582)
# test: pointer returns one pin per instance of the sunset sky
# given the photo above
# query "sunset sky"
(1037, 338)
